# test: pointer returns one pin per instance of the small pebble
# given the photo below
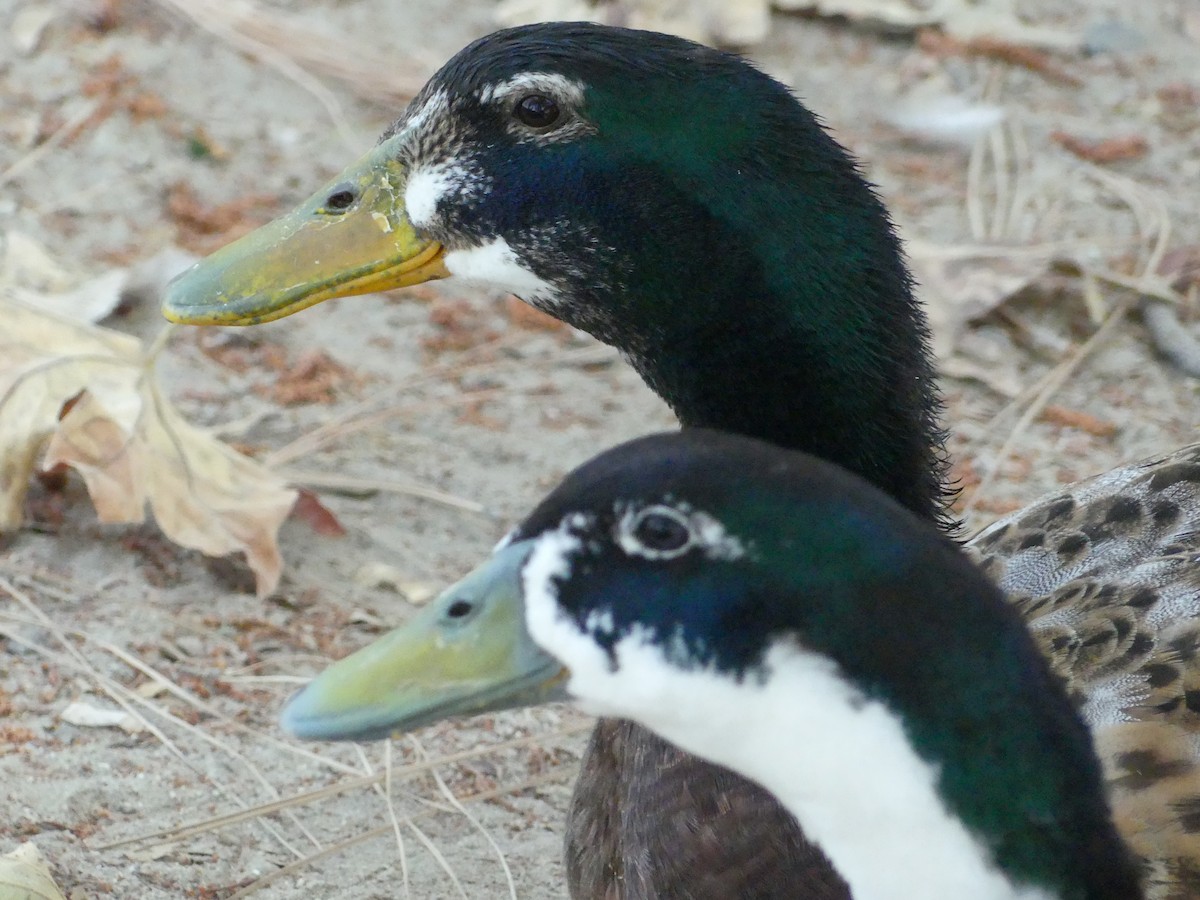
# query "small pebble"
(1112, 37)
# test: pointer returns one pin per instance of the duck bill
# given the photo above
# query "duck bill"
(351, 237)
(444, 662)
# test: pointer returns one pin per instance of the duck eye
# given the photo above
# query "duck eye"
(340, 199)
(661, 530)
(460, 609)
(537, 111)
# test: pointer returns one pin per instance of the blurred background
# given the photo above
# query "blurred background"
(1040, 158)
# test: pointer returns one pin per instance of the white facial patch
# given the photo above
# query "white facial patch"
(839, 762)
(496, 265)
(428, 185)
(552, 629)
(424, 191)
(435, 105)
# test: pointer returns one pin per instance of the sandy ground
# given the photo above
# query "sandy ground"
(169, 136)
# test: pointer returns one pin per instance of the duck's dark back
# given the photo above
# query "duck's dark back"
(690, 830)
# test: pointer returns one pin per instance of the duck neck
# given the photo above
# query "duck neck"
(791, 379)
(880, 809)
(972, 764)
(792, 317)
(865, 796)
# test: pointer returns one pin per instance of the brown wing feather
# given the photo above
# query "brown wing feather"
(649, 822)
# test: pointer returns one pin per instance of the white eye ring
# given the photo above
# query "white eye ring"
(656, 532)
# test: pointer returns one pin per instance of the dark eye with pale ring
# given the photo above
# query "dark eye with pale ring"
(537, 111)
(661, 531)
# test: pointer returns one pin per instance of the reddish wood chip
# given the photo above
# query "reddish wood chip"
(941, 45)
(316, 515)
(314, 378)
(522, 315)
(1130, 146)
(1182, 266)
(459, 326)
(203, 229)
(1077, 418)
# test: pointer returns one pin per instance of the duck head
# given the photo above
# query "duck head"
(773, 614)
(666, 197)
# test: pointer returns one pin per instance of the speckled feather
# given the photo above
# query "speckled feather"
(1106, 575)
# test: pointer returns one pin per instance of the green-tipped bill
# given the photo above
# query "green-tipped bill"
(351, 237)
(467, 653)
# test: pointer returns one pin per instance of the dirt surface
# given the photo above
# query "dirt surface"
(165, 134)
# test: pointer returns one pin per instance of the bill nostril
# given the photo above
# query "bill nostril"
(340, 200)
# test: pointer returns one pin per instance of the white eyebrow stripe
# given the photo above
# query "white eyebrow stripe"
(545, 82)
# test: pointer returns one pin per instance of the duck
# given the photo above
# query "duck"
(684, 207)
(772, 613)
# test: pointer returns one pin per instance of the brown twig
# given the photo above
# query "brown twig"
(939, 44)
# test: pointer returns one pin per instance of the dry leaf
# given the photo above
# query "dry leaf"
(28, 26)
(25, 265)
(964, 19)
(320, 519)
(944, 118)
(30, 274)
(24, 875)
(961, 284)
(85, 715)
(460, 326)
(129, 444)
(731, 22)
(388, 577)
(747, 22)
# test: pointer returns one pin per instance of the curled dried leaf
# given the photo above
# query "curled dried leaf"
(131, 446)
(24, 874)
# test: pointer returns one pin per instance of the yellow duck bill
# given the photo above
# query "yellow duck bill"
(351, 237)
(465, 654)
